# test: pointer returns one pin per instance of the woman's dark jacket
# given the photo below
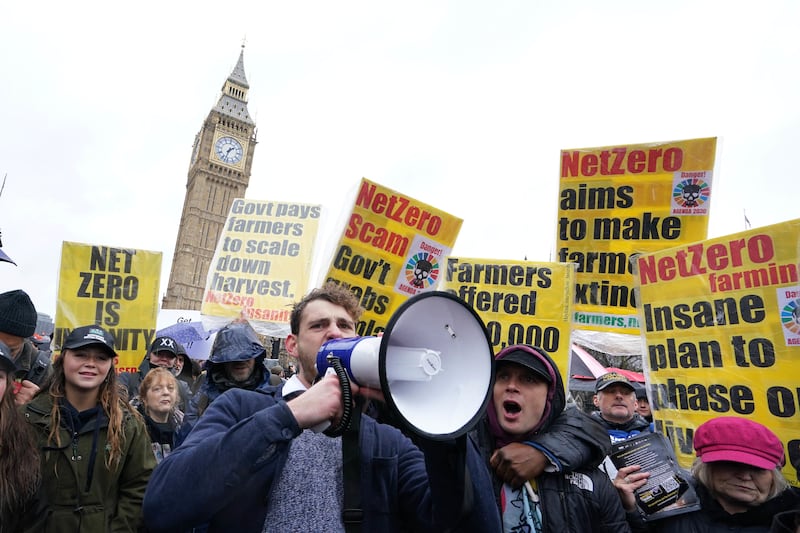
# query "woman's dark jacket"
(712, 518)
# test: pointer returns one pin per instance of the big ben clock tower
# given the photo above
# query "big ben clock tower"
(219, 171)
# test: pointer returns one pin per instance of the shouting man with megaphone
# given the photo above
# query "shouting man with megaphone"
(254, 462)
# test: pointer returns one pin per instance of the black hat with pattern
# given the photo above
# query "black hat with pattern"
(612, 378)
(89, 336)
(165, 344)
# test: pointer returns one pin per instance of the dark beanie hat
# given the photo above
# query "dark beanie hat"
(17, 314)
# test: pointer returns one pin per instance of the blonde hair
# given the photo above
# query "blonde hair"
(702, 472)
(153, 377)
(110, 401)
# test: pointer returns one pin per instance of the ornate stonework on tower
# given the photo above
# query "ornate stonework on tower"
(219, 171)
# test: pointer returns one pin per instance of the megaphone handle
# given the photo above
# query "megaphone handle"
(322, 426)
(347, 400)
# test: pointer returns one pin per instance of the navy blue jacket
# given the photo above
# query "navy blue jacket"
(620, 432)
(225, 471)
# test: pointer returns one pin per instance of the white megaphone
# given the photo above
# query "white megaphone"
(434, 364)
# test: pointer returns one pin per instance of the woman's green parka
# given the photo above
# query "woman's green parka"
(82, 494)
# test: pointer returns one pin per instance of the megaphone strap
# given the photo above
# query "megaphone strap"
(352, 513)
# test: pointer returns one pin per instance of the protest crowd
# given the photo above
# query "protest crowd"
(83, 448)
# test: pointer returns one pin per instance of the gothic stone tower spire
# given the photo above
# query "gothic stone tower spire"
(219, 171)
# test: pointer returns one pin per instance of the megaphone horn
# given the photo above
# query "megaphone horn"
(434, 364)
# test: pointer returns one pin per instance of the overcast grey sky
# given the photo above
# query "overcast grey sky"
(463, 105)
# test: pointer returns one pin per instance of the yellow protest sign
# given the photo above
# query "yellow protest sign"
(392, 247)
(721, 324)
(619, 201)
(262, 263)
(115, 288)
(521, 302)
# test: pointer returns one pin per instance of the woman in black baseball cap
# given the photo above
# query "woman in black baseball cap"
(95, 448)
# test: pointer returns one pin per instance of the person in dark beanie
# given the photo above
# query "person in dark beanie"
(17, 324)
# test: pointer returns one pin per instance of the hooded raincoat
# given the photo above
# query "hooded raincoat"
(235, 342)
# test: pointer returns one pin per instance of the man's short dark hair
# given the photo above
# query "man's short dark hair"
(330, 292)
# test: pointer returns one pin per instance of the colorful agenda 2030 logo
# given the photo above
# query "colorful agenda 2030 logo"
(692, 192)
(790, 316)
(422, 270)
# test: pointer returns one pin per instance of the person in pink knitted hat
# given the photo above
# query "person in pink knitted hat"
(737, 476)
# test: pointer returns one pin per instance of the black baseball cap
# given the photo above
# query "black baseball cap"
(164, 344)
(89, 335)
(612, 378)
(526, 358)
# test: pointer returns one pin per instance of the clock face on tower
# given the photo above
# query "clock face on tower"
(228, 150)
